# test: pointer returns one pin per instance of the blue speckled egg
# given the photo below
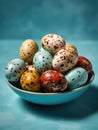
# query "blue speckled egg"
(76, 77)
(14, 69)
(42, 60)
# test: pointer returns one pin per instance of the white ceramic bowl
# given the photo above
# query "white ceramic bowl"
(51, 98)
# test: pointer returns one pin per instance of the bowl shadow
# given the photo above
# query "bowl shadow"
(80, 108)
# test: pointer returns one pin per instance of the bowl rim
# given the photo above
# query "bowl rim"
(53, 93)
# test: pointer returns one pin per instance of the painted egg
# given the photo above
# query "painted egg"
(53, 81)
(27, 50)
(53, 43)
(30, 81)
(64, 60)
(85, 63)
(42, 60)
(14, 69)
(76, 77)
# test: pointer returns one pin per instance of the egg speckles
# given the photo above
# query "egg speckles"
(53, 81)
(76, 77)
(14, 69)
(27, 50)
(64, 60)
(30, 81)
(53, 43)
(42, 60)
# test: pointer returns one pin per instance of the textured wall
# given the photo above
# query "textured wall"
(72, 19)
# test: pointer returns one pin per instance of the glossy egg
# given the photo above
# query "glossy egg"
(14, 69)
(53, 81)
(30, 81)
(27, 50)
(85, 63)
(76, 77)
(64, 60)
(42, 60)
(53, 43)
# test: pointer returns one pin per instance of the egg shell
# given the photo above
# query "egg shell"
(30, 81)
(76, 77)
(53, 43)
(70, 47)
(64, 60)
(42, 60)
(27, 50)
(53, 81)
(85, 63)
(14, 69)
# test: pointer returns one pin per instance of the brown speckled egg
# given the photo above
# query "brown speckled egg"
(27, 50)
(64, 60)
(30, 67)
(53, 81)
(30, 81)
(53, 43)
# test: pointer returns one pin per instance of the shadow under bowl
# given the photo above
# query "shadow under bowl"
(51, 98)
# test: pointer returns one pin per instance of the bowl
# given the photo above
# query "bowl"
(51, 98)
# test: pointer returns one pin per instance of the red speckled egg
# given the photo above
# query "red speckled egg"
(85, 63)
(53, 81)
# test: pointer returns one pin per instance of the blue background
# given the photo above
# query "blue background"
(77, 22)
(72, 19)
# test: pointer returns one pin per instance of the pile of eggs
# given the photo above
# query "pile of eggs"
(56, 67)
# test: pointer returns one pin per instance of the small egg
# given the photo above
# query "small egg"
(53, 81)
(14, 69)
(30, 81)
(85, 63)
(30, 67)
(27, 50)
(42, 61)
(76, 77)
(70, 47)
(53, 43)
(64, 60)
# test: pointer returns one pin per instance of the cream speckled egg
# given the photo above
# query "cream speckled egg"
(53, 43)
(64, 60)
(27, 50)
(30, 81)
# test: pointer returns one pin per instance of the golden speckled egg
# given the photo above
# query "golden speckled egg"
(71, 47)
(27, 50)
(30, 81)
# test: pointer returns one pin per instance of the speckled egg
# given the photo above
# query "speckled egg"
(64, 60)
(85, 63)
(53, 43)
(53, 81)
(42, 60)
(14, 69)
(71, 47)
(30, 67)
(30, 81)
(27, 50)
(76, 77)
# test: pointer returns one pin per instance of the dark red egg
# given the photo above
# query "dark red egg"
(53, 81)
(85, 63)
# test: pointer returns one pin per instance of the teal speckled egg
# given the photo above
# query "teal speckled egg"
(76, 77)
(14, 69)
(42, 61)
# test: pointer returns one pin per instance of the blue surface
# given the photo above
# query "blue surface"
(15, 113)
(72, 19)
